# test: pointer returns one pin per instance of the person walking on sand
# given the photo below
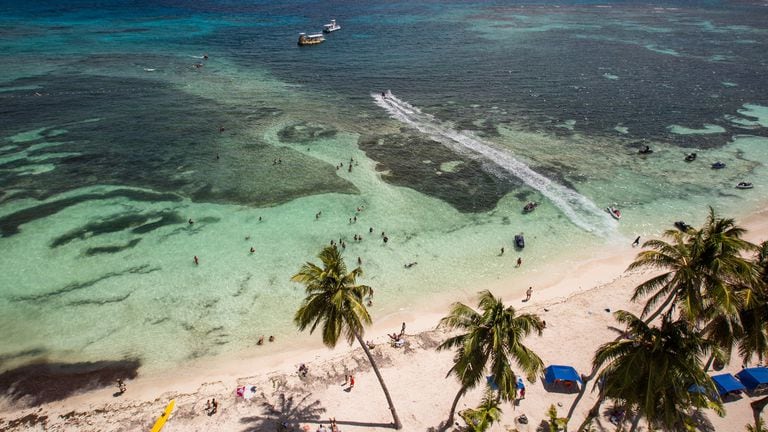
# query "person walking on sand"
(519, 261)
(528, 293)
(197, 261)
(351, 382)
(121, 385)
(636, 242)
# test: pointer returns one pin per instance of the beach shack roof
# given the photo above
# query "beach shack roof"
(754, 378)
(727, 383)
(561, 373)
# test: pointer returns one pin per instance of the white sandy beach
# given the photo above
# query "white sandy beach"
(577, 310)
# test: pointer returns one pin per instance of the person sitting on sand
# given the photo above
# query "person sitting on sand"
(271, 338)
(303, 370)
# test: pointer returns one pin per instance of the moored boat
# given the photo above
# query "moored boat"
(682, 226)
(331, 27)
(519, 241)
(690, 157)
(313, 39)
(531, 206)
(614, 212)
(718, 165)
(645, 150)
(744, 185)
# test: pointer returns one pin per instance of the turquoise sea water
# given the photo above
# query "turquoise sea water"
(112, 139)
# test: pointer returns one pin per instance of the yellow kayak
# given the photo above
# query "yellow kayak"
(163, 418)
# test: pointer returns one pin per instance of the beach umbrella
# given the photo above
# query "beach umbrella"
(561, 373)
(727, 383)
(754, 378)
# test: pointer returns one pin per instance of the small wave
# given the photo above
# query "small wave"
(579, 209)
(149, 69)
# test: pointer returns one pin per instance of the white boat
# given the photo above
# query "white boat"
(614, 212)
(331, 27)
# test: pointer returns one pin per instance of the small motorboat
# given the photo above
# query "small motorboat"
(682, 226)
(519, 241)
(313, 39)
(645, 150)
(690, 157)
(331, 27)
(744, 185)
(614, 212)
(531, 206)
(718, 165)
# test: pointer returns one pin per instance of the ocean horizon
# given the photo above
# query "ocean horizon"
(168, 166)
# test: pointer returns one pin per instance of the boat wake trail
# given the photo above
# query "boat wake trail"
(579, 209)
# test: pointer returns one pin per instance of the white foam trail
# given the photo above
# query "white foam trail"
(578, 208)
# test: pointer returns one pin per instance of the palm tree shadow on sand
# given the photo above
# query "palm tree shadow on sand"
(286, 413)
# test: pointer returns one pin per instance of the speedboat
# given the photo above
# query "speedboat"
(614, 212)
(531, 206)
(331, 27)
(519, 241)
(718, 165)
(690, 157)
(313, 39)
(682, 226)
(744, 185)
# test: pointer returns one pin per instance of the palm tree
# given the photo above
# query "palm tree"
(335, 302)
(485, 415)
(758, 427)
(703, 270)
(651, 369)
(490, 340)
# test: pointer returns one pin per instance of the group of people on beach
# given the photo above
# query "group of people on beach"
(334, 426)
(261, 340)
(121, 386)
(211, 407)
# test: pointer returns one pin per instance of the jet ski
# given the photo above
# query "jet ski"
(718, 165)
(519, 241)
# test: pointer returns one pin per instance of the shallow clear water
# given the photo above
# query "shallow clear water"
(111, 139)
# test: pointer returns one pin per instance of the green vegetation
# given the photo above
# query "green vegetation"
(335, 302)
(490, 341)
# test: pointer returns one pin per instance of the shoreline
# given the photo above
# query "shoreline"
(575, 304)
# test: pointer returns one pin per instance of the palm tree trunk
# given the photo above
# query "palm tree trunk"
(395, 418)
(709, 362)
(757, 407)
(593, 412)
(661, 308)
(635, 422)
(452, 415)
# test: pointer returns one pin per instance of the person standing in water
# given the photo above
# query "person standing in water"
(636, 242)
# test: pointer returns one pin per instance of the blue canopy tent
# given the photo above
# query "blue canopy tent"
(754, 378)
(561, 374)
(727, 384)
